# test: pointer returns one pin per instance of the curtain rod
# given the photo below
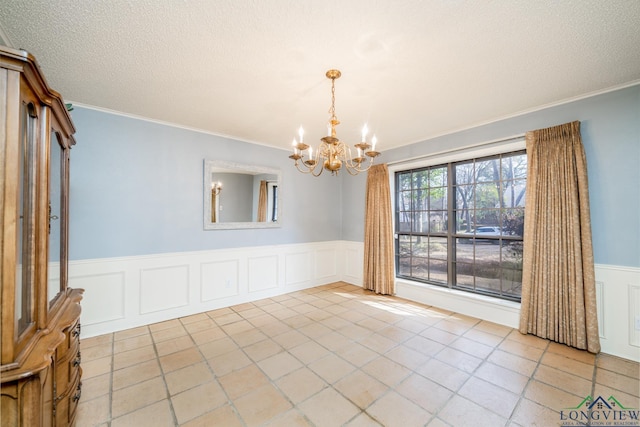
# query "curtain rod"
(455, 150)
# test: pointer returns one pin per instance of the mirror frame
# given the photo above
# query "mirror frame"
(209, 166)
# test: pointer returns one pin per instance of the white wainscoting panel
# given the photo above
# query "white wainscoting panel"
(600, 301)
(326, 265)
(297, 268)
(262, 273)
(219, 279)
(126, 292)
(619, 308)
(164, 288)
(353, 262)
(634, 317)
(122, 293)
(103, 299)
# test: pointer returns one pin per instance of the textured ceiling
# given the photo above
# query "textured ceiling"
(254, 69)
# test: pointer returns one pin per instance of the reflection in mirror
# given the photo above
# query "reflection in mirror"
(240, 196)
(55, 212)
(25, 282)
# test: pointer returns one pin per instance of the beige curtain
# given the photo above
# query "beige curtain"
(558, 283)
(214, 206)
(378, 233)
(262, 202)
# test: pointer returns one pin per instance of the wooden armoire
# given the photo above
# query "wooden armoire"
(40, 320)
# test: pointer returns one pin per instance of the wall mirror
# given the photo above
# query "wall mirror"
(55, 214)
(240, 196)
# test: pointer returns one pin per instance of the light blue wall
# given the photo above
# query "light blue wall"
(137, 185)
(136, 189)
(610, 126)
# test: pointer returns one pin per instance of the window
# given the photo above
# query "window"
(460, 224)
(272, 201)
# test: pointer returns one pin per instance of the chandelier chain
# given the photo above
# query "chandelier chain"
(332, 110)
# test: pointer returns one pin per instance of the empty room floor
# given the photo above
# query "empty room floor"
(337, 355)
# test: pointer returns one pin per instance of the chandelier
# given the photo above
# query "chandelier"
(332, 154)
(216, 188)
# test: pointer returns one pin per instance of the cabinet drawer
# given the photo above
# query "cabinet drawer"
(71, 339)
(67, 369)
(67, 404)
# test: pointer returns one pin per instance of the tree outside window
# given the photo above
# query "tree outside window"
(480, 248)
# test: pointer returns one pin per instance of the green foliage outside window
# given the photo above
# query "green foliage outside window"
(471, 241)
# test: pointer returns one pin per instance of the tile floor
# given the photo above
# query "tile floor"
(338, 355)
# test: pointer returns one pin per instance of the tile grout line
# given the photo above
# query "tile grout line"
(522, 397)
(361, 411)
(306, 366)
(113, 361)
(593, 383)
(273, 382)
(470, 374)
(164, 378)
(230, 401)
(389, 389)
(305, 316)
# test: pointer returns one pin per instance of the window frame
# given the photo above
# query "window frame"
(478, 151)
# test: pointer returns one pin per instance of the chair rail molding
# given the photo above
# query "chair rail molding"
(127, 292)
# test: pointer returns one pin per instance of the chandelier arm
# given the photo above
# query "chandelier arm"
(370, 163)
(354, 165)
(349, 169)
(358, 168)
(307, 170)
(310, 169)
(317, 157)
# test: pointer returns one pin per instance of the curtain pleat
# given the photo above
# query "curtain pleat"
(378, 234)
(558, 283)
(214, 206)
(262, 202)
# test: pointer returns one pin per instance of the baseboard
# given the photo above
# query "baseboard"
(491, 309)
(126, 292)
(617, 296)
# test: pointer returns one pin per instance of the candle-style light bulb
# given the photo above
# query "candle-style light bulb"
(373, 143)
(310, 153)
(359, 152)
(294, 144)
(365, 130)
(301, 133)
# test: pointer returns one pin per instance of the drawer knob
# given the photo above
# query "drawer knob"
(76, 396)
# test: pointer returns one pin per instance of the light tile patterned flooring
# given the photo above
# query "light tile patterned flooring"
(338, 355)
